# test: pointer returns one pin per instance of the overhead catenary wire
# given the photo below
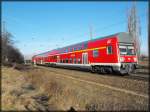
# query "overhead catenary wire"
(114, 24)
(96, 30)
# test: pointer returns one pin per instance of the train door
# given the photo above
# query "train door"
(34, 62)
(41, 61)
(84, 58)
(58, 59)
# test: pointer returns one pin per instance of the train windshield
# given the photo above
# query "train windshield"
(130, 50)
(126, 50)
(123, 50)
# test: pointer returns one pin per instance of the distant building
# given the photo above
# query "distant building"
(27, 59)
(27, 62)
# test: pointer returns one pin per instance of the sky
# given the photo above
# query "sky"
(42, 26)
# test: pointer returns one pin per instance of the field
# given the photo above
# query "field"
(46, 88)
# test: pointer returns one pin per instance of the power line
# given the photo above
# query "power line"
(114, 25)
(108, 27)
(101, 29)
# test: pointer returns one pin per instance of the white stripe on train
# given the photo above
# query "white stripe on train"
(105, 64)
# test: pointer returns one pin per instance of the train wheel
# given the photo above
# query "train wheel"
(130, 68)
(96, 69)
(123, 72)
(109, 70)
(93, 69)
(102, 70)
(127, 70)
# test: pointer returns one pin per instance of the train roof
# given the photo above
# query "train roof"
(122, 37)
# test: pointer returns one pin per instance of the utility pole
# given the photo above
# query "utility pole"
(147, 21)
(134, 28)
(3, 27)
(4, 35)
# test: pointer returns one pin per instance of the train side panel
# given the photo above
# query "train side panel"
(102, 47)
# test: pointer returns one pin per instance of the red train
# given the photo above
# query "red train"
(114, 53)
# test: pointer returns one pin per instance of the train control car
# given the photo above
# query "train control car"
(114, 53)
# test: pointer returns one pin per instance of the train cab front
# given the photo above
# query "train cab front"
(127, 58)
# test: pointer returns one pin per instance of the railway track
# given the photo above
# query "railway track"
(135, 76)
(73, 77)
(138, 77)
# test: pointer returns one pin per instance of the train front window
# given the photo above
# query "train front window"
(126, 50)
(130, 50)
(123, 50)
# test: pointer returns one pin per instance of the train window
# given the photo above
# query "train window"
(74, 61)
(85, 46)
(79, 60)
(66, 60)
(66, 50)
(95, 53)
(123, 50)
(130, 50)
(79, 48)
(71, 49)
(70, 60)
(109, 50)
(75, 49)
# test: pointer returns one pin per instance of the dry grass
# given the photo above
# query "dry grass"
(144, 63)
(40, 89)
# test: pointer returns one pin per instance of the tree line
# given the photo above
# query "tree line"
(10, 54)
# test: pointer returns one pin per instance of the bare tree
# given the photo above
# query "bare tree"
(6, 41)
(134, 28)
(14, 55)
(10, 54)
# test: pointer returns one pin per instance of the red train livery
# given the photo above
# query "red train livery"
(114, 53)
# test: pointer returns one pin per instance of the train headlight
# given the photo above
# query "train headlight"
(122, 59)
(135, 59)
